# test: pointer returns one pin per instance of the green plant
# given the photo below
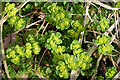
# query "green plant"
(111, 71)
(103, 24)
(60, 43)
(105, 49)
(62, 70)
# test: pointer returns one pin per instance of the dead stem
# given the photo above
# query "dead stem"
(3, 56)
(45, 28)
(33, 23)
(114, 63)
(97, 65)
(40, 27)
(39, 62)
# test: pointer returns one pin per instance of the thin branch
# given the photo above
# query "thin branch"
(28, 14)
(45, 28)
(112, 27)
(96, 68)
(116, 51)
(67, 7)
(117, 76)
(3, 55)
(33, 23)
(94, 5)
(41, 77)
(39, 62)
(113, 55)
(40, 27)
(113, 62)
(90, 42)
(87, 14)
(95, 32)
(105, 6)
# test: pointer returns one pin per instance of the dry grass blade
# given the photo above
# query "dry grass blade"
(45, 28)
(40, 27)
(114, 63)
(112, 27)
(3, 56)
(105, 6)
(96, 68)
(21, 5)
(41, 77)
(33, 23)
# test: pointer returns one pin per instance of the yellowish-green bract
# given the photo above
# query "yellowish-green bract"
(17, 52)
(111, 71)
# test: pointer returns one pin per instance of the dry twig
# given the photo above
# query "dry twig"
(45, 28)
(40, 27)
(96, 68)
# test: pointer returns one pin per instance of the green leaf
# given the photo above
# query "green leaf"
(48, 71)
(82, 72)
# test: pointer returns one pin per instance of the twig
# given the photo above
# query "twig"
(112, 27)
(90, 42)
(45, 28)
(75, 73)
(21, 5)
(94, 5)
(114, 63)
(87, 14)
(96, 68)
(67, 7)
(39, 62)
(111, 60)
(35, 61)
(117, 42)
(33, 23)
(3, 55)
(117, 76)
(113, 55)
(29, 19)
(116, 51)
(105, 6)
(95, 32)
(27, 14)
(40, 27)
(41, 77)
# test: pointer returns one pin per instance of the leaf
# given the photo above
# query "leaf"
(11, 38)
(58, 34)
(82, 73)
(48, 70)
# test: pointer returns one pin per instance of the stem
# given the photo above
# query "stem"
(3, 55)
(40, 27)
(96, 68)
(45, 28)
(33, 23)
(39, 62)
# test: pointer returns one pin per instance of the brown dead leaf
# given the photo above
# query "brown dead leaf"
(11, 38)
